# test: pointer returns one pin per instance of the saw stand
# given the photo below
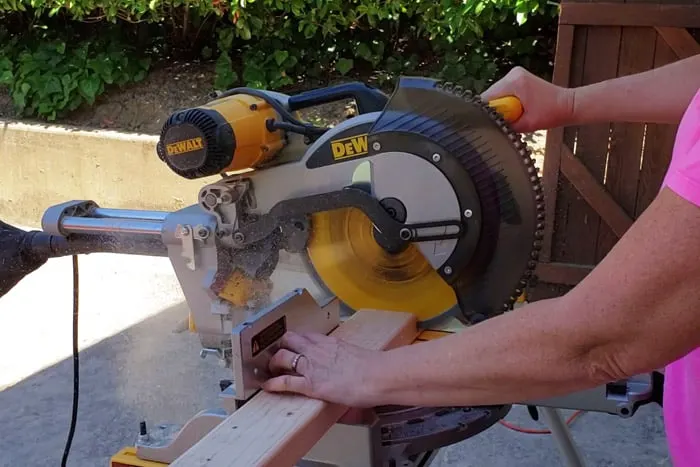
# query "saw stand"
(621, 398)
(382, 437)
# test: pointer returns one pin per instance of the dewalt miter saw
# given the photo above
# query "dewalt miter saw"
(424, 202)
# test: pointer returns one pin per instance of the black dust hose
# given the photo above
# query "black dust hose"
(76, 365)
(21, 252)
(18, 257)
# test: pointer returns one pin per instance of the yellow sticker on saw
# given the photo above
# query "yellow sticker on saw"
(183, 147)
(352, 146)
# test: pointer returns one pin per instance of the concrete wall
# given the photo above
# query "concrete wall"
(42, 165)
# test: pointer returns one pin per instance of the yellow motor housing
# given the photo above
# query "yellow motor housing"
(227, 135)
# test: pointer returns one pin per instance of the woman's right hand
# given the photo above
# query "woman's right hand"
(545, 105)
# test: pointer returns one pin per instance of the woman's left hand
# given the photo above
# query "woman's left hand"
(327, 368)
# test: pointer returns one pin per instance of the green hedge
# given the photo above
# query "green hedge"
(55, 59)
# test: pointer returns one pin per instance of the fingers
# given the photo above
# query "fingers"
(288, 383)
(300, 343)
(283, 361)
(295, 342)
(319, 339)
(498, 89)
(506, 86)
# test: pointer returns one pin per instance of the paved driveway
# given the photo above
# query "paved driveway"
(136, 365)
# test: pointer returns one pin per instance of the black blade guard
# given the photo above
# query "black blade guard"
(496, 181)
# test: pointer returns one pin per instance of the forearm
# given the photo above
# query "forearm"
(506, 359)
(637, 311)
(660, 95)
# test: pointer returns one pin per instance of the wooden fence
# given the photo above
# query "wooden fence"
(599, 178)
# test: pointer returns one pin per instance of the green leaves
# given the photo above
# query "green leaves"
(382, 39)
(47, 78)
(6, 74)
(280, 56)
(89, 86)
(344, 65)
(267, 43)
(225, 76)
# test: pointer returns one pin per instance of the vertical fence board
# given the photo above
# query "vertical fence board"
(555, 137)
(581, 231)
(636, 55)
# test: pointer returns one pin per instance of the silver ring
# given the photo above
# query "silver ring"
(295, 362)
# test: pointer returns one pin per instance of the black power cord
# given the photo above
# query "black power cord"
(76, 365)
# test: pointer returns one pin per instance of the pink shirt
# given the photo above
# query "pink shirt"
(682, 384)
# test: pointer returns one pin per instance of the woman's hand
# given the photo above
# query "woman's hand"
(326, 368)
(545, 105)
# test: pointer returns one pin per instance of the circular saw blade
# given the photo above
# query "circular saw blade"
(494, 179)
(344, 253)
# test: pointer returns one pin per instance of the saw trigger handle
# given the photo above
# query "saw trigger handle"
(367, 98)
(509, 107)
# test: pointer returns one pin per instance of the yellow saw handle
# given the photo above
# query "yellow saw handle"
(509, 107)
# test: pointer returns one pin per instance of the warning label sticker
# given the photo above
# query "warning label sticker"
(268, 336)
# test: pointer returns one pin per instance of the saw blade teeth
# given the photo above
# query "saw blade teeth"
(525, 153)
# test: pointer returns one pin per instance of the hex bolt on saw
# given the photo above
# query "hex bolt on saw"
(424, 202)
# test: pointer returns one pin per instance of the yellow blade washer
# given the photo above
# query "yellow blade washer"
(362, 274)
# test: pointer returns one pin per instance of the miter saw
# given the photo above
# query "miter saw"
(424, 202)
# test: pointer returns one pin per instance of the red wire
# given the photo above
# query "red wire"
(532, 431)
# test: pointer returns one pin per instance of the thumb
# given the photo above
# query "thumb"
(288, 383)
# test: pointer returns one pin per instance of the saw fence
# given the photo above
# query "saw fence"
(276, 430)
(599, 178)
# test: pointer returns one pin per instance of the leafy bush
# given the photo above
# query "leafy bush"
(274, 44)
(50, 76)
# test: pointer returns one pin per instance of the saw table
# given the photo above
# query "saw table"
(273, 430)
(425, 205)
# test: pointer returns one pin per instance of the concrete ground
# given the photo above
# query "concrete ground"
(136, 365)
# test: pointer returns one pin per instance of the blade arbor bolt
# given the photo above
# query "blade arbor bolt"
(211, 200)
(239, 237)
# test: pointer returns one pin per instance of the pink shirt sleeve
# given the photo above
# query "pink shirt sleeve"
(682, 385)
(683, 175)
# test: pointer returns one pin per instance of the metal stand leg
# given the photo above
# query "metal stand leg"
(562, 436)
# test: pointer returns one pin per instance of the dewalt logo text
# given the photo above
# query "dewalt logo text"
(349, 147)
(182, 147)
